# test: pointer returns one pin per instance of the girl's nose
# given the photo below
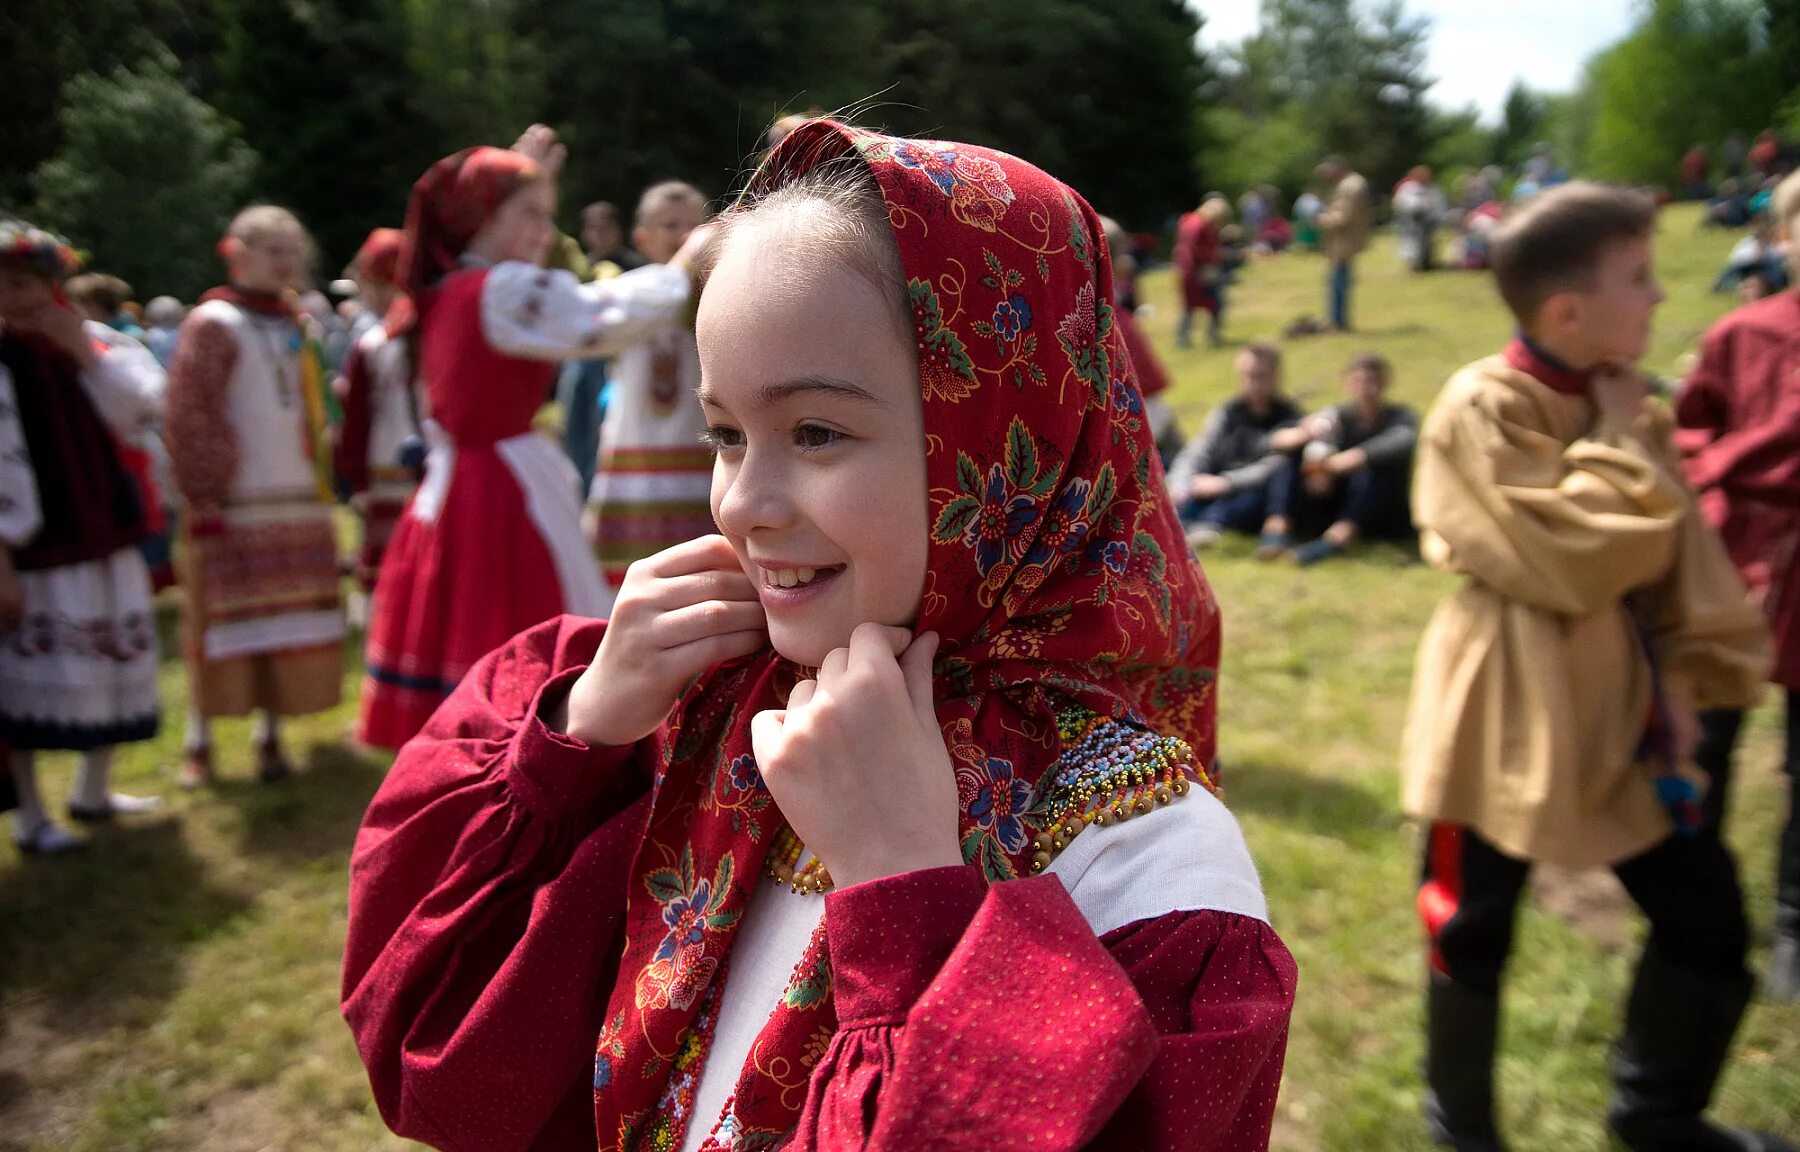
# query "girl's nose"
(755, 497)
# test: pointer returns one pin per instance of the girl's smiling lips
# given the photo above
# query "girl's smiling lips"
(789, 583)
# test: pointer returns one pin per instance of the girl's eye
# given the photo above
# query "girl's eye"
(722, 439)
(815, 436)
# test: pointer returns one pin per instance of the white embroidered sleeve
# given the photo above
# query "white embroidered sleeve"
(547, 314)
(20, 514)
(126, 384)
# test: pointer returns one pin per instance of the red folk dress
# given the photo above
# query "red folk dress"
(491, 543)
(488, 907)
(558, 946)
(1739, 417)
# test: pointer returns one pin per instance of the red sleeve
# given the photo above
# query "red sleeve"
(1187, 236)
(1760, 461)
(350, 455)
(202, 445)
(1167, 1035)
(487, 891)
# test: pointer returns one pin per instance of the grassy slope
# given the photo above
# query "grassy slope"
(176, 987)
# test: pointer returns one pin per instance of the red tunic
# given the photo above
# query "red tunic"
(1740, 432)
(1196, 250)
(455, 588)
(487, 891)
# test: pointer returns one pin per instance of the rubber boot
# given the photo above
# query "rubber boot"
(1678, 1028)
(1462, 1027)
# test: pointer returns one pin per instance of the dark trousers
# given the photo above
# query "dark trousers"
(1374, 499)
(1234, 512)
(1338, 293)
(1687, 886)
(1719, 729)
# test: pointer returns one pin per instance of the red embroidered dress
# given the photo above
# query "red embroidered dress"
(491, 542)
(542, 936)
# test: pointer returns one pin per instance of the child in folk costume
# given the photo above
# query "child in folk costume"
(78, 664)
(1553, 701)
(1740, 430)
(886, 818)
(650, 489)
(491, 542)
(246, 439)
(383, 415)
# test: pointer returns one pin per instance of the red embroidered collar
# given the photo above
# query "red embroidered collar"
(251, 300)
(1546, 369)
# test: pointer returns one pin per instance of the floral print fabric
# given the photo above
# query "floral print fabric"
(1057, 574)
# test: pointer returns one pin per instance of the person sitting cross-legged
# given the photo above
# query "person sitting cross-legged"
(1346, 472)
(1220, 480)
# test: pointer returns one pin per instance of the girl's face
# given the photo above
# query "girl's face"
(270, 262)
(811, 391)
(522, 228)
(24, 296)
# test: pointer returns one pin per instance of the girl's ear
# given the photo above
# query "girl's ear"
(230, 248)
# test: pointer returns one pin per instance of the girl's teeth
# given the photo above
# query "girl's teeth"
(792, 577)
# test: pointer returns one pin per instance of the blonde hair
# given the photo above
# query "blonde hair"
(853, 228)
(1786, 203)
(1216, 208)
(665, 193)
(265, 221)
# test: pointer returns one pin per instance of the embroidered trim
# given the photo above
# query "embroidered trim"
(1109, 771)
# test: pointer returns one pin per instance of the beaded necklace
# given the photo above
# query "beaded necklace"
(1109, 771)
(784, 860)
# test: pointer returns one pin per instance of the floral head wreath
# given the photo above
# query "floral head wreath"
(45, 253)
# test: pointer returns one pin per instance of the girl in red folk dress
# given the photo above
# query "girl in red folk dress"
(491, 543)
(383, 414)
(884, 820)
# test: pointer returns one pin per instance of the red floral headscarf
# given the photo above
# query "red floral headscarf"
(449, 205)
(1058, 575)
(379, 256)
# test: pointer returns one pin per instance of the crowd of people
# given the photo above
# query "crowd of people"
(742, 730)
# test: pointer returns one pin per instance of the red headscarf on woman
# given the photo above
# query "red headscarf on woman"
(379, 256)
(449, 204)
(1058, 575)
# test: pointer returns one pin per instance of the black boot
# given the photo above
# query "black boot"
(1678, 1029)
(1461, 1028)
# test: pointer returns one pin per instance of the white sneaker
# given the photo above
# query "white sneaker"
(47, 839)
(117, 804)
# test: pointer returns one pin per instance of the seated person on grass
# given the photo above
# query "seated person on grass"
(1345, 475)
(1220, 480)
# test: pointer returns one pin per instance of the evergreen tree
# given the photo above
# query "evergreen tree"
(147, 177)
(324, 94)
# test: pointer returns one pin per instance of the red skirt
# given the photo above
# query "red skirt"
(450, 591)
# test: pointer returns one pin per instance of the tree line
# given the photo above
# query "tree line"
(137, 126)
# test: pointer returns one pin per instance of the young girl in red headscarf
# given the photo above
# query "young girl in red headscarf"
(885, 819)
(491, 543)
(383, 413)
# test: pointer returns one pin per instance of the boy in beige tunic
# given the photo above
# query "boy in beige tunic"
(1554, 697)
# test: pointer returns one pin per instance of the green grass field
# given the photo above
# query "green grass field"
(175, 988)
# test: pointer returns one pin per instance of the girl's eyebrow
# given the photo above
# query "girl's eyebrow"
(770, 395)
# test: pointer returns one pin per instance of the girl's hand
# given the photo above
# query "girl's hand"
(679, 612)
(539, 142)
(691, 248)
(857, 761)
(63, 326)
